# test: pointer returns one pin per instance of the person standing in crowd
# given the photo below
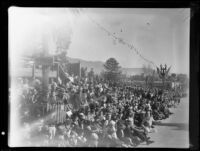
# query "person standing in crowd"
(107, 114)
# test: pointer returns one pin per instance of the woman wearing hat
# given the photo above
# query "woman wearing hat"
(81, 123)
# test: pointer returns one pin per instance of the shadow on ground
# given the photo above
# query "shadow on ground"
(178, 126)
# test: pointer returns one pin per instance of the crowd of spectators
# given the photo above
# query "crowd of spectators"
(97, 113)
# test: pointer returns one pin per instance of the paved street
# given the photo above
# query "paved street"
(174, 131)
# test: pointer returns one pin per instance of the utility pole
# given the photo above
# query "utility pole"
(33, 71)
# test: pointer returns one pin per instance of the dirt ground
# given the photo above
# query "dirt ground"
(174, 131)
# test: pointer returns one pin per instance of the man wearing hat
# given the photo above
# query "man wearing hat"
(82, 121)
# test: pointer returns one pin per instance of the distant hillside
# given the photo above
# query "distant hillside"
(98, 66)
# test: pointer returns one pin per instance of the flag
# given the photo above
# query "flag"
(158, 70)
(69, 113)
(71, 79)
(63, 77)
(168, 70)
(59, 80)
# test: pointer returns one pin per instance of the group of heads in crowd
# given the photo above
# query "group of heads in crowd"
(110, 114)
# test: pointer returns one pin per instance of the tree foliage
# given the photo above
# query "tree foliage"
(172, 77)
(112, 70)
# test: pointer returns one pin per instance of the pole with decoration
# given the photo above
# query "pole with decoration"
(163, 72)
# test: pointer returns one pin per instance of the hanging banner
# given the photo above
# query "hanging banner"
(120, 40)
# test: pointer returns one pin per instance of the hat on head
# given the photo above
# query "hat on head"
(88, 127)
(130, 107)
(129, 122)
(94, 136)
(81, 115)
(112, 123)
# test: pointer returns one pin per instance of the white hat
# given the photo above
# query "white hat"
(112, 123)
(94, 136)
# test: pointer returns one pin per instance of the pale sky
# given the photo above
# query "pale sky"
(161, 35)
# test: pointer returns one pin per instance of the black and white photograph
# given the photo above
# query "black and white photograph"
(98, 77)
